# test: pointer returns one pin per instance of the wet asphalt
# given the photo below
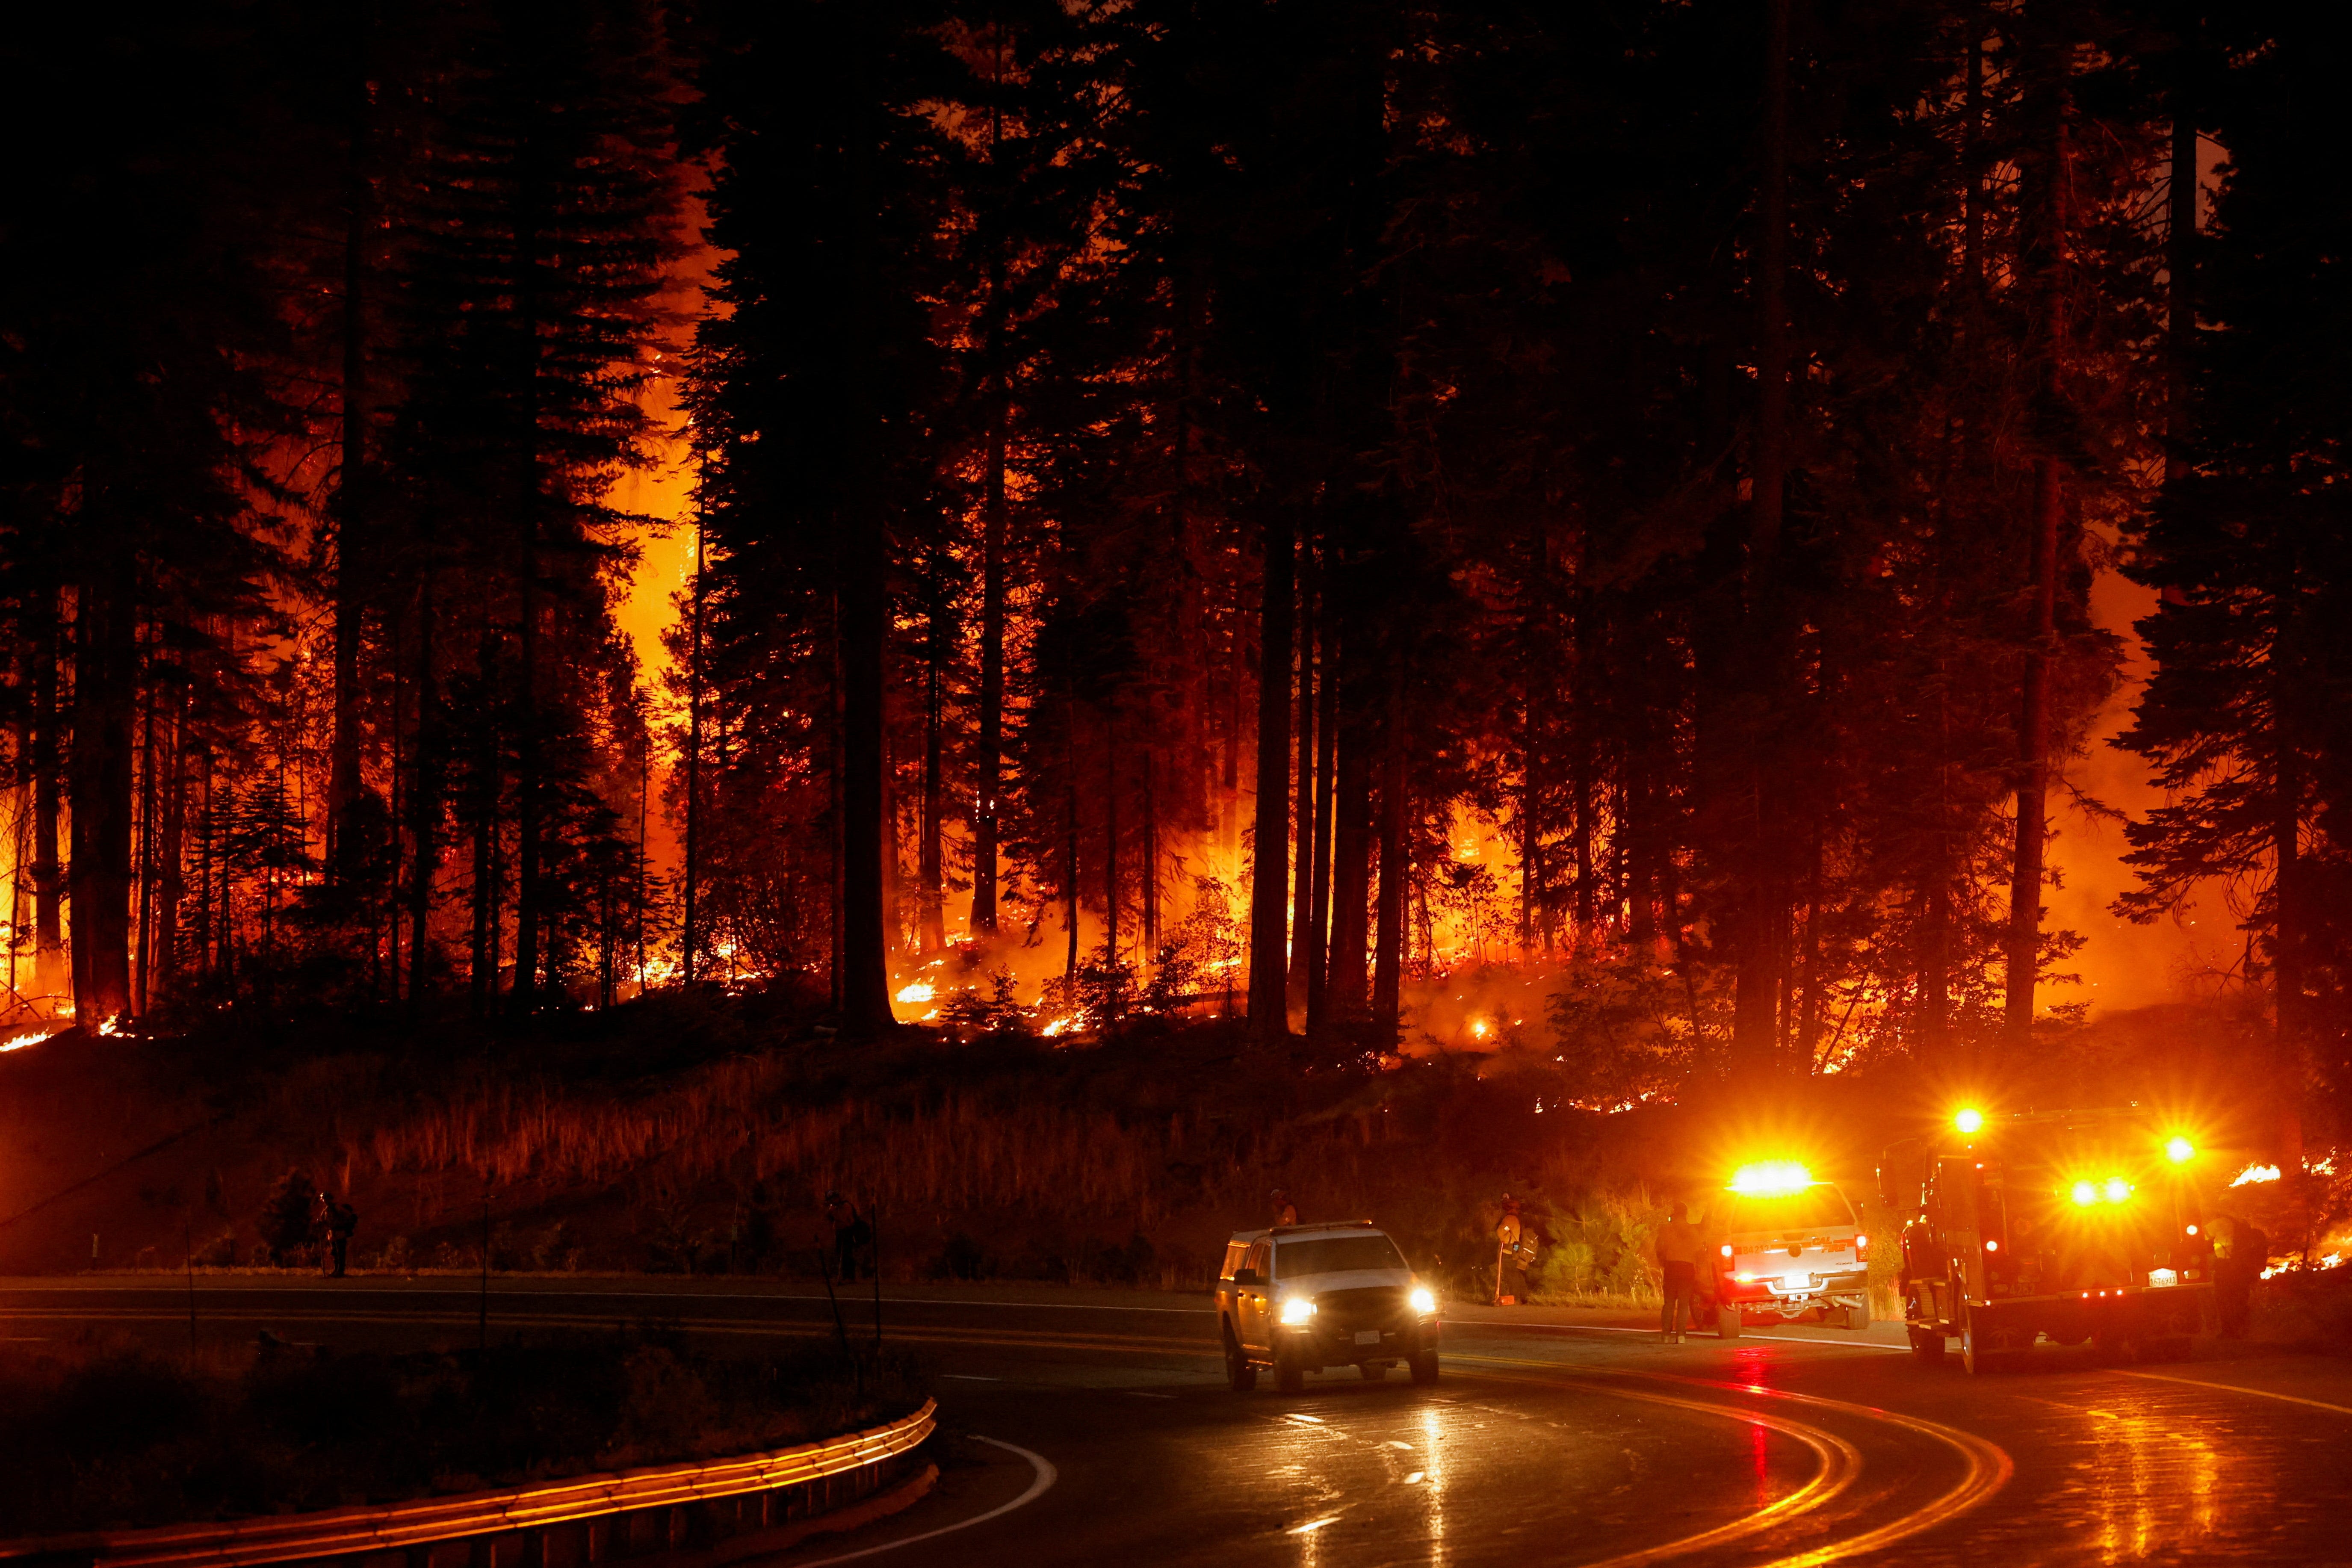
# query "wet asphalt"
(1573, 1441)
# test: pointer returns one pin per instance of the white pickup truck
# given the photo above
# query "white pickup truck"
(1303, 1298)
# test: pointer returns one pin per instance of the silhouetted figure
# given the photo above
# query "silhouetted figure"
(333, 1223)
(1679, 1251)
(1510, 1278)
(1284, 1211)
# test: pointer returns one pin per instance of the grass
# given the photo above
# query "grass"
(105, 1435)
(693, 1133)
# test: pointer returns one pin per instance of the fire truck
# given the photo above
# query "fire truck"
(2069, 1226)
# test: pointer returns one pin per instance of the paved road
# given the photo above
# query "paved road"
(1583, 1443)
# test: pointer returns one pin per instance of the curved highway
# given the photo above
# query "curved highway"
(1094, 1428)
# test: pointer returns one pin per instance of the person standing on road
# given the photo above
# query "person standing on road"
(1680, 1247)
(342, 1219)
(1510, 1284)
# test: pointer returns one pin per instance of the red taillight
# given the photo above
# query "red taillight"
(1862, 1246)
(1726, 1249)
(1993, 1247)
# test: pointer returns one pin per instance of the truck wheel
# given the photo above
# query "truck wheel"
(1424, 1367)
(1928, 1344)
(1289, 1375)
(1239, 1373)
(1726, 1321)
(1975, 1354)
(1857, 1315)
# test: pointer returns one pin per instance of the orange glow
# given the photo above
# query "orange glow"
(1772, 1178)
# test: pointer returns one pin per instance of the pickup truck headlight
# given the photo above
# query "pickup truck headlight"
(1423, 1303)
(1298, 1311)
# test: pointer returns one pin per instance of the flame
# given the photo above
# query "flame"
(2256, 1174)
(1059, 1025)
(921, 991)
(111, 1028)
(1478, 1027)
(21, 1041)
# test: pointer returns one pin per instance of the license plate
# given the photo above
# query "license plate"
(1368, 1336)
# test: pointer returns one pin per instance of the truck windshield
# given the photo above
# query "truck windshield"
(1817, 1206)
(1334, 1255)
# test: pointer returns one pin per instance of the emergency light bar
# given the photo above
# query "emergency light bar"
(1770, 1178)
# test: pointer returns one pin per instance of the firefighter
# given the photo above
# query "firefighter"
(332, 1222)
(1510, 1283)
(1284, 1211)
(1680, 1247)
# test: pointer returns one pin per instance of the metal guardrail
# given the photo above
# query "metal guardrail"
(338, 1532)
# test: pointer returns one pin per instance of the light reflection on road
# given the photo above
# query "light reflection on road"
(1432, 1427)
(2153, 1482)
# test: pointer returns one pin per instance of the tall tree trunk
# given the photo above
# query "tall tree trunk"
(52, 975)
(2287, 895)
(1396, 867)
(1229, 795)
(1316, 938)
(930, 871)
(1302, 903)
(2024, 944)
(1070, 847)
(1582, 706)
(530, 910)
(352, 554)
(1110, 841)
(1352, 874)
(988, 763)
(424, 803)
(865, 616)
(1151, 854)
(145, 928)
(1270, 864)
(171, 887)
(106, 672)
(689, 932)
(865, 565)
(1761, 969)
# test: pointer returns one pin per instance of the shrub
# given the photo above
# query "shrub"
(285, 1219)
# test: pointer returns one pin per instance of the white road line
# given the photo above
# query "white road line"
(459, 1289)
(2234, 1388)
(1463, 1326)
(1040, 1483)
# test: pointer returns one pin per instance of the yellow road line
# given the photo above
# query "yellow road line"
(1988, 1466)
(1840, 1463)
(2233, 1388)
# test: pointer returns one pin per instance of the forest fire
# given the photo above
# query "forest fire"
(1035, 690)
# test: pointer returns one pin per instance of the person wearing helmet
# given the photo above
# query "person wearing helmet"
(1284, 1211)
(1511, 1279)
